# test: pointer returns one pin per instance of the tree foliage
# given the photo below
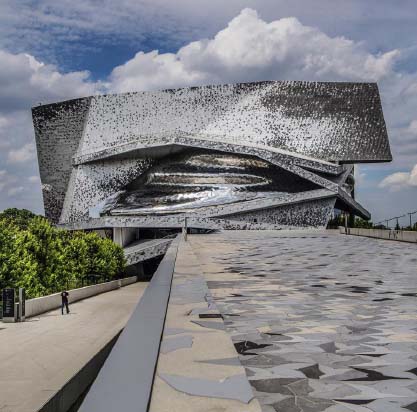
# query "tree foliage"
(339, 220)
(18, 217)
(363, 224)
(43, 259)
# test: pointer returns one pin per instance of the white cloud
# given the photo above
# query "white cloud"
(400, 180)
(251, 49)
(3, 122)
(14, 191)
(25, 153)
(6, 180)
(412, 128)
(360, 175)
(25, 82)
(57, 29)
(34, 179)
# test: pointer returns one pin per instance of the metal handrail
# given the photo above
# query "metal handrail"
(386, 221)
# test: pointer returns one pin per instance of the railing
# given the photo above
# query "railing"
(387, 234)
(44, 304)
(397, 220)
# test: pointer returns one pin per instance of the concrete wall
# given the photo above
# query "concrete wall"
(103, 233)
(69, 397)
(145, 251)
(125, 381)
(123, 236)
(400, 235)
(314, 213)
(43, 304)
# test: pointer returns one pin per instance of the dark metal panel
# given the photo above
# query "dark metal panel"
(58, 131)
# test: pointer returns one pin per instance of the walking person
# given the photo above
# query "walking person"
(64, 297)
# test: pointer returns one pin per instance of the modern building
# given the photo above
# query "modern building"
(265, 155)
(268, 155)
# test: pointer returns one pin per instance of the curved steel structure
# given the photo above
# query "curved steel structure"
(250, 156)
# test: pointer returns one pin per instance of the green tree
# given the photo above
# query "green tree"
(45, 244)
(31, 263)
(7, 235)
(18, 268)
(106, 259)
(44, 260)
(74, 259)
(17, 217)
(363, 224)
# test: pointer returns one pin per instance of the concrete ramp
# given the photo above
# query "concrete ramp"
(45, 354)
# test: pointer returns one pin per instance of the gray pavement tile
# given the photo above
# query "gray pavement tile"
(234, 387)
(175, 343)
(225, 361)
(317, 300)
(209, 324)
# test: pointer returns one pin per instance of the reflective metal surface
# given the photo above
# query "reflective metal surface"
(197, 179)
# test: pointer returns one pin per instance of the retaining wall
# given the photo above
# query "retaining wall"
(134, 356)
(400, 235)
(68, 397)
(43, 304)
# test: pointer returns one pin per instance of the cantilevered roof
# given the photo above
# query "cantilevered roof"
(328, 121)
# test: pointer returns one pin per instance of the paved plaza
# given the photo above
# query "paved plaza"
(321, 321)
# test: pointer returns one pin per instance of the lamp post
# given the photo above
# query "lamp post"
(397, 217)
(184, 229)
(410, 214)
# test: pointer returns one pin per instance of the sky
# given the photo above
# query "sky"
(56, 50)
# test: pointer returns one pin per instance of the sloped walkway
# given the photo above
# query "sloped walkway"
(39, 356)
(145, 249)
(198, 367)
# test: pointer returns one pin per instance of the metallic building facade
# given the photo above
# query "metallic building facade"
(264, 155)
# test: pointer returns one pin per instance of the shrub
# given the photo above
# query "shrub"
(44, 260)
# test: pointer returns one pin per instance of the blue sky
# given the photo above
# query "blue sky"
(55, 50)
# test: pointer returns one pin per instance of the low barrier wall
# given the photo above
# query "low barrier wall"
(68, 397)
(400, 235)
(43, 304)
(134, 356)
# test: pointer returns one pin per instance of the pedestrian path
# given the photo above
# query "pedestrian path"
(198, 367)
(39, 356)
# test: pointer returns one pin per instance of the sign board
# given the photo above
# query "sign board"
(8, 305)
